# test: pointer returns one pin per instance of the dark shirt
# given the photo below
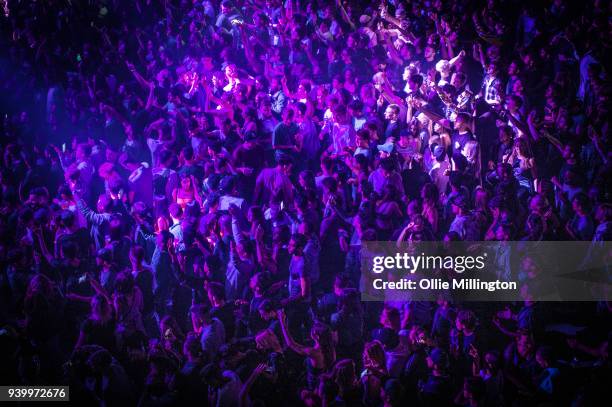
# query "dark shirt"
(459, 140)
(100, 334)
(284, 135)
(437, 391)
(393, 130)
(225, 314)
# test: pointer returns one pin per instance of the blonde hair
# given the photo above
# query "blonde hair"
(443, 66)
(470, 151)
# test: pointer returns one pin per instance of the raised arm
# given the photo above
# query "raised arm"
(391, 48)
(345, 15)
(236, 231)
(286, 90)
(292, 344)
(98, 288)
(246, 387)
(533, 130)
(553, 140)
(43, 246)
(139, 78)
(264, 257)
(89, 214)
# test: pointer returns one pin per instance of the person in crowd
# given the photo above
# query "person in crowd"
(189, 190)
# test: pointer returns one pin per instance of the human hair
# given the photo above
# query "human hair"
(606, 211)
(374, 356)
(523, 147)
(387, 164)
(164, 236)
(350, 302)
(67, 218)
(175, 210)
(344, 374)
(170, 322)
(216, 290)
(395, 108)
(356, 105)
(322, 335)
(467, 318)
(301, 107)
(392, 315)
(416, 79)
(192, 345)
(200, 311)
(430, 193)
(465, 117)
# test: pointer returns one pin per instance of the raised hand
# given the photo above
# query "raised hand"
(259, 369)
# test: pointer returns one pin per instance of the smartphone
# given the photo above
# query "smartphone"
(63, 147)
(78, 58)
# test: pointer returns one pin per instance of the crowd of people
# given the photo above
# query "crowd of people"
(186, 186)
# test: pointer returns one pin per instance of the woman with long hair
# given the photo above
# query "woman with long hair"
(345, 376)
(99, 328)
(186, 192)
(347, 323)
(320, 357)
(171, 336)
(431, 200)
(523, 163)
(374, 373)
(388, 212)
